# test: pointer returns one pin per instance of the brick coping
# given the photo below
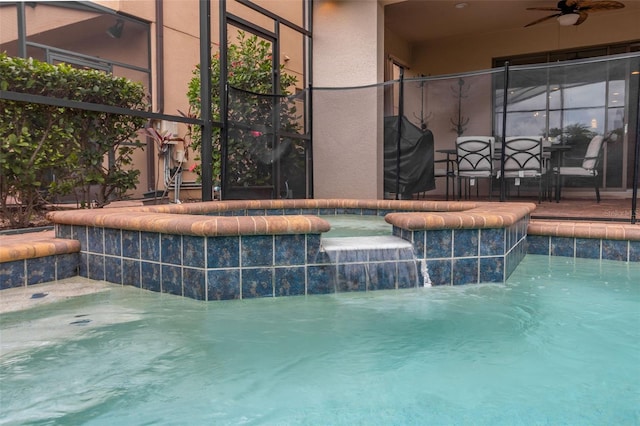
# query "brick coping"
(593, 230)
(191, 219)
(42, 246)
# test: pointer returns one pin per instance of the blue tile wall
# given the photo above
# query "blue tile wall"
(172, 279)
(171, 249)
(620, 250)
(314, 255)
(321, 279)
(63, 231)
(193, 251)
(131, 272)
(562, 246)
(224, 284)
(492, 269)
(41, 269)
(194, 283)
(82, 265)
(440, 271)
(151, 276)
(95, 239)
(256, 250)
(465, 271)
(615, 249)
(131, 244)
(113, 269)
(67, 265)
(538, 244)
(290, 249)
(150, 246)
(80, 233)
(257, 282)
(12, 274)
(113, 242)
(418, 241)
(465, 242)
(95, 265)
(588, 248)
(492, 242)
(290, 281)
(634, 251)
(223, 252)
(439, 244)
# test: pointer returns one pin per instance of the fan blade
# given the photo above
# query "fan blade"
(572, 3)
(548, 9)
(594, 6)
(546, 18)
(583, 17)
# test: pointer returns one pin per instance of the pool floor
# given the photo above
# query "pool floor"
(559, 343)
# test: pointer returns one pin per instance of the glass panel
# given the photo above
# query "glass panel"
(435, 112)
(615, 149)
(266, 158)
(292, 56)
(577, 96)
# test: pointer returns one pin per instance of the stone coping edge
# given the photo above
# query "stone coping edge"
(20, 250)
(591, 230)
(191, 219)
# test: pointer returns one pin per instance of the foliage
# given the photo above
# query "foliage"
(48, 150)
(250, 115)
(573, 134)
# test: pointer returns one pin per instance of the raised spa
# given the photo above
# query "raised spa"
(270, 248)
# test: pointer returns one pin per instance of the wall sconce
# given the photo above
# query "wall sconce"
(115, 31)
(568, 19)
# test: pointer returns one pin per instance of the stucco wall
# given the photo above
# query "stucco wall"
(347, 134)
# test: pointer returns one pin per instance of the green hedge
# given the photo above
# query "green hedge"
(49, 150)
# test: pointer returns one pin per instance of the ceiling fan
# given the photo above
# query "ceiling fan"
(575, 12)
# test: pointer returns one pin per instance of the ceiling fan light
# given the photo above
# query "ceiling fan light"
(568, 19)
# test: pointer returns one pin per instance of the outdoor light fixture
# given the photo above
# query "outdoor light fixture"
(115, 31)
(568, 19)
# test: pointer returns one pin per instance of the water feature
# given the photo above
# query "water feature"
(366, 255)
(559, 343)
(351, 225)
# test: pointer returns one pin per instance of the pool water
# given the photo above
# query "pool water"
(559, 343)
(350, 225)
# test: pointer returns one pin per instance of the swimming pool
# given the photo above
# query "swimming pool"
(559, 343)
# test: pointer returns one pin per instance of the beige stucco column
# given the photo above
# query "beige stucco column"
(348, 42)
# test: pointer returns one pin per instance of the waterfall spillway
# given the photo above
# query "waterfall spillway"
(372, 263)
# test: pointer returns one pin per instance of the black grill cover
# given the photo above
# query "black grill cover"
(416, 158)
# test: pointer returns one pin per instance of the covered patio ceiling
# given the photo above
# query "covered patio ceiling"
(422, 21)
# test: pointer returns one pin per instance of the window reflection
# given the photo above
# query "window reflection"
(572, 103)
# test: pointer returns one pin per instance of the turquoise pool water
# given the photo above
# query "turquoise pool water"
(350, 225)
(559, 343)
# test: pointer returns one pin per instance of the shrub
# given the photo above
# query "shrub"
(49, 150)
